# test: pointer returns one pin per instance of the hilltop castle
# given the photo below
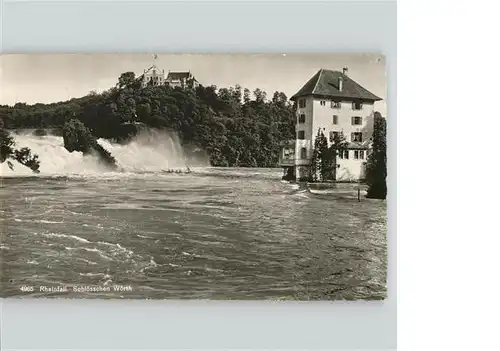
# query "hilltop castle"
(155, 76)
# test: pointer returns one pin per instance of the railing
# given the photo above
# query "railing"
(286, 161)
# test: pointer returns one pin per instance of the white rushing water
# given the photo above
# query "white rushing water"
(148, 152)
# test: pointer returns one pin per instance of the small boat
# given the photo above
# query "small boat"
(177, 171)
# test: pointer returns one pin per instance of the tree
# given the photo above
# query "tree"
(324, 159)
(6, 145)
(246, 96)
(237, 93)
(144, 112)
(77, 137)
(279, 99)
(24, 156)
(126, 107)
(376, 169)
(260, 95)
(126, 79)
(316, 160)
(323, 156)
(339, 145)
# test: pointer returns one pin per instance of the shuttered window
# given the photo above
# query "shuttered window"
(357, 105)
(356, 121)
(303, 152)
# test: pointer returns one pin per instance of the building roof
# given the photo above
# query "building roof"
(325, 83)
(178, 75)
(150, 70)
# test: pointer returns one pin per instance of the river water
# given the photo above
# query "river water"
(212, 234)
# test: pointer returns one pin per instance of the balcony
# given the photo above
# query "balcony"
(287, 154)
(302, 162)
(286, 162)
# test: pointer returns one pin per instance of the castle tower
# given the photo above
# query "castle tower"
(153, 75)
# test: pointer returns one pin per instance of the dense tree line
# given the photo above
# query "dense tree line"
(234, 126)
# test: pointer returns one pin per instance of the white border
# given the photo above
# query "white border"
(220, 27)
(448, 193)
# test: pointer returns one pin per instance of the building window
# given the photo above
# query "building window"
(343, 154)
(333, 135)
(361, 154)
(356, 121)
(302, 118)
(301, 135)
(302, 103)
(335, 104)
(303, 152)
(288, 153)
(356, 154)
(357, 105)
(322, 103)
(357, 137)
(335, 119)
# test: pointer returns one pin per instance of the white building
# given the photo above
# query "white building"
(153, 76)
(333, 103)
(182, 79)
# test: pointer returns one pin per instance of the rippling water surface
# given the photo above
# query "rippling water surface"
(211, 234)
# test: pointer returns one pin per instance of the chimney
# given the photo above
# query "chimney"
(340, 83)
(344, 70)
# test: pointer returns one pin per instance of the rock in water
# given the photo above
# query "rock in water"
(77, 137)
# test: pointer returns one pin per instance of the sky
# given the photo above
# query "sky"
(44, 78)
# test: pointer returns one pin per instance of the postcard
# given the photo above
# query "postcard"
(193, 176)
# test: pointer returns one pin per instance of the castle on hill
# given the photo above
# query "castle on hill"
(156, 77)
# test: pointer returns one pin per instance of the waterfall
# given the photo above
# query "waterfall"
(150, 151)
